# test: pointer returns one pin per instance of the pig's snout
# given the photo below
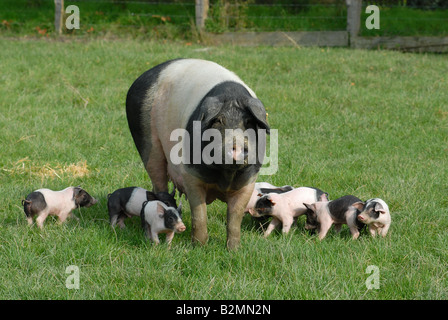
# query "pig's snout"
(181, 228)
(361, 218)
(92, 202)
(237, 153)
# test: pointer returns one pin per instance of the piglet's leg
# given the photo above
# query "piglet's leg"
(147, 229)
(169, 238)
(372, 230)
(63, 216)
(325, 222)
(155, 237)
(41, 218)
(272, 225)
(384, 230)
(287, 223)
(351, 222)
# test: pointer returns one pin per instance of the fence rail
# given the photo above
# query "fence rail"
(405, 24)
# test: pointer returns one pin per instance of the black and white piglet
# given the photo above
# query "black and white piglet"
(127, 202)
(157, 218)
(323, 214)
(44, 202)
(374, 213)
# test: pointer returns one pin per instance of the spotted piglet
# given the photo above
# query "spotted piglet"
(157, 218)
(127, 202)
(259, 189)
(374, 213)
(323, 214)
(44, 202)
(285, 207)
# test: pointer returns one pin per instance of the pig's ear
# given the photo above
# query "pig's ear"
(210, 108)
(359, 205)
(257, 109)
(160, 210)
(179, 208)
(273, 201)
(379, 208)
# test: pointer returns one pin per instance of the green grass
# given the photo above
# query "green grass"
(368, 123)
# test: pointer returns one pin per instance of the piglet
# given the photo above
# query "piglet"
(321, 215)
(44, 202)
(285, 207)
(157, 218)
(261, 188)
(374, 213)
(127, 202)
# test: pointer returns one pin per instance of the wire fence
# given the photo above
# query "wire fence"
(177, 18)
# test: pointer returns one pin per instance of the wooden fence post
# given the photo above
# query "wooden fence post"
(353, 17)
(58, 15)
(201, 13)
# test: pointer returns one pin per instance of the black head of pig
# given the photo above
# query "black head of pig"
(263, 206)
(82, 198)
(228, 106)
(311, 217)
(166, 198)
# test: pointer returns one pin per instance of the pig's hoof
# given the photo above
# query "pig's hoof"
(233, 244)
(199, 239)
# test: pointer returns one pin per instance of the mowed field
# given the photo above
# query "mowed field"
(367, 123)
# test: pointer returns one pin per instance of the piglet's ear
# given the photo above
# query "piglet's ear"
(379, 208)
(272, 200)
(359, 205)
(160, 210)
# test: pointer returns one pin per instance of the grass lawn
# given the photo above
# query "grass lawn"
(368, 123)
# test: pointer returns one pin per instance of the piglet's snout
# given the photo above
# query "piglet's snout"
(181, 227)
(361, 218)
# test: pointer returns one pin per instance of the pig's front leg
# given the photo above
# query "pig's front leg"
(271, 227)
(63, 216)
(372, 230)
(325, 223)
(41, 218)
(147, 229)
(287, 223)
(197, 196)
(155, 237)
(351, 222)
(384, 230)
(169, 238)
(236, 203)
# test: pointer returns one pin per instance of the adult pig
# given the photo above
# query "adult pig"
(285, 207)
(181, 100)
